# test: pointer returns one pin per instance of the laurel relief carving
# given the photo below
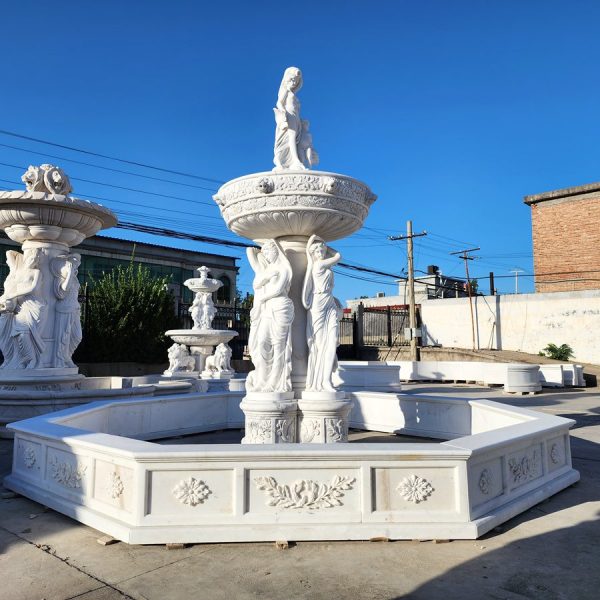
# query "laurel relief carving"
(305, 493)
(526, 467)
(67, 474)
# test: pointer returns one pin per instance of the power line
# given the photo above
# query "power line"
(87, 164)
(122, 160)
(127, 189)
(146, 206)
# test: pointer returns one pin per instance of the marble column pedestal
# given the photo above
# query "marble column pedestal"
(323, 417)
(270, 417)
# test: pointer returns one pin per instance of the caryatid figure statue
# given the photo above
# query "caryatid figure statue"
(271, 317)
(323, 314)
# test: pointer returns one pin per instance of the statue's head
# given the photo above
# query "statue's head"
(12, 258)
(293, 78)
(270, 251)
(32, 258)
(223, 349)
(318, 249)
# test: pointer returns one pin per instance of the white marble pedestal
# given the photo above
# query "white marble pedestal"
(323, 417)
(270, 417)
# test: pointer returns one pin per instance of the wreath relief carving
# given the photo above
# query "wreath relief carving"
(305, 493)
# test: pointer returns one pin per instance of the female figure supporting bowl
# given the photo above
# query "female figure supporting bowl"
(324, 312)
(271, 317)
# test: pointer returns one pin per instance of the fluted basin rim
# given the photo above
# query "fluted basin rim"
(22, 198)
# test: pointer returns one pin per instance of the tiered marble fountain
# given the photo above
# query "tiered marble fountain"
(490, 461)
(292, 212)
(40, 323)
(201, 338)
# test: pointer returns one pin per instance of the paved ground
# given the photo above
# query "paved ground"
(552, 551)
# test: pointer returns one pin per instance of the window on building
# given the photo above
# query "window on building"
(224, 292)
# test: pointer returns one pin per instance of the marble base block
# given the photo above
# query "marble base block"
(228, 374)
(323, 417)
(270, 417)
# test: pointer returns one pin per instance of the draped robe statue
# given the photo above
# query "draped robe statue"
(271, 317)
(24, 298)
(14, 260)
(323, 315)
(67, 323)
(293, 142)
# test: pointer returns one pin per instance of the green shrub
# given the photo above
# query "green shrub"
(128, 311)
(562, 352)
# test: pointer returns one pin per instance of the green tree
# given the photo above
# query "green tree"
(128, 312)
(562, 352)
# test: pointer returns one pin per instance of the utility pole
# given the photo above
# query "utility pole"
(464, 254)
(412, 309)
(516, 272)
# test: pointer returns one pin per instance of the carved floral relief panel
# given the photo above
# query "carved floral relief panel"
(191, 494)
(114, 485)
(324, 491)
(525, 466)
(29, 457)
(67, 471)
(414, 488)
(485, 481)
(556, 453)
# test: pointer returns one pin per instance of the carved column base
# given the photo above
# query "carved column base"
(270, 417)
(200, 354)
(323, 417)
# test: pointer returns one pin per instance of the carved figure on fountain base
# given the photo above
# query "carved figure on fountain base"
(180, 361)
(218, 366)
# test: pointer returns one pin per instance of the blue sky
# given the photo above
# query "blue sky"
(451, 111)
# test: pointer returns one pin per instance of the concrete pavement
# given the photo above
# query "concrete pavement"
(552, 551)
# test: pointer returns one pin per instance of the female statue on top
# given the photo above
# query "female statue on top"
(293, 142)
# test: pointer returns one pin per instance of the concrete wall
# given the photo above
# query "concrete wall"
(524, 322)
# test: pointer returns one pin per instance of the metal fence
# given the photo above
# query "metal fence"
(384, 327)
(370, 326)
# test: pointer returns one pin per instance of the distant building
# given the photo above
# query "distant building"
(101, 254)
(566, 238)
(427, 287)
(434, 285)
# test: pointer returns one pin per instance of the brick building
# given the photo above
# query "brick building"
(566, 238)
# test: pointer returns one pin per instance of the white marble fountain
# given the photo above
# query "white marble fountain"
(201, 338)
(295, 476)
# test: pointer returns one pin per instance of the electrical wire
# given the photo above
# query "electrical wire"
(127, 189)
(87, 164)
(122, 160)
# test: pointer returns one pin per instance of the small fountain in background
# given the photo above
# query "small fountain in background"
(201, 339)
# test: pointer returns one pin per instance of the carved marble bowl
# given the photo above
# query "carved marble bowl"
(289, 203)
(51, 217)
(207, 286)
(201, 337)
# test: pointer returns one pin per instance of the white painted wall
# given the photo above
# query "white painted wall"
(524, 322)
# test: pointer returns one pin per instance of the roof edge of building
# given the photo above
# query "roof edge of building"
(563, 193)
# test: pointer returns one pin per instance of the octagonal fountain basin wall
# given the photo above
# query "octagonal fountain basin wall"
(92, 464)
